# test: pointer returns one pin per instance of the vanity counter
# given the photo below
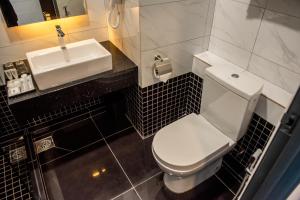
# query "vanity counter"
(123, 75)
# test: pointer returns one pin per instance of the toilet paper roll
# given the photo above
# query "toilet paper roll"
(162, 70)
(164, 78)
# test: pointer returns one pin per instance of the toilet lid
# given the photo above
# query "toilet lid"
(188, 141)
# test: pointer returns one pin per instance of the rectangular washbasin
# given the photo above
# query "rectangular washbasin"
(52, 67)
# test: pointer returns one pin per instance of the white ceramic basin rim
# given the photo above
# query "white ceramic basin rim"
(52, 67)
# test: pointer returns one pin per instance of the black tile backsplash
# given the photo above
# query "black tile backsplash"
(10, 127)
(8, 124)
(158, 105)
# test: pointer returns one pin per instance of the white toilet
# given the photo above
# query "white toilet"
(190, 150)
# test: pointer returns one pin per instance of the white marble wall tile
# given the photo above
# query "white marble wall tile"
(233, 54)
(165, 24)
(259, 3)
(18, 51)
(152, 2)
(290, 7)
(131, 31)
(269, 110)
(279, 40)
(181, 55)
(100, 34)
(210, 16)
(236, 23)
(274, 73)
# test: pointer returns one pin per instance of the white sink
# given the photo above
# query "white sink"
(52, 67)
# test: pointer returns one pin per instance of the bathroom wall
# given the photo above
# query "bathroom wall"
(177, 29)
(262, 36)
(16, 41)
(127, 36)
(174, 29)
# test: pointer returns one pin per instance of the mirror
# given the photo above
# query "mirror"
(21, 12)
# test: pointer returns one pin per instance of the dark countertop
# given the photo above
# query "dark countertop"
(123, 75)
(121, 66)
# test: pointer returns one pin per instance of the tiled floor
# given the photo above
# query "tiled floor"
(15, 179)
(103, 157)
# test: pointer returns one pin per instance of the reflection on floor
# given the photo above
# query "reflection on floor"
(103, 157)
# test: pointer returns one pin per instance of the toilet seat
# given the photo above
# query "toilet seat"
(188, 144)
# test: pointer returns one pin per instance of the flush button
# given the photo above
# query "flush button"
(235, 76)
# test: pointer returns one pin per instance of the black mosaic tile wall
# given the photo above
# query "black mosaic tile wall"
(158, 105)
(9, 127)
(8, 124)
(194, 94)
(235, 163)
(15, 179)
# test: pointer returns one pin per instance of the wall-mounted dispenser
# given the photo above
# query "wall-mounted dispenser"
(113, 17)
(162, 68)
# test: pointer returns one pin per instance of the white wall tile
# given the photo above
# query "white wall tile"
(290, 7)
(269, 110)
(233, 54)
(165, 24)
(210, 16)
(236, 23)
(274, 73)
(100, 34)
(151, 2)
(131, 30)
(180, 54)
(18, 51)
(279, 40)
(259, 3)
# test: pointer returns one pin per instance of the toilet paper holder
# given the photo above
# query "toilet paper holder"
(162, 66)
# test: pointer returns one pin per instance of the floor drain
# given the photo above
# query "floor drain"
(17, 155)
(44, 144)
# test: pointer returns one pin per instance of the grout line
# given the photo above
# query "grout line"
(122, 193)
(117, 160)
(73, 151)
(148, 179)
(256, 36)
(232, 171)
(225, 184)
(61, 148)
(118, 132)
(142, 137)
(174, 43)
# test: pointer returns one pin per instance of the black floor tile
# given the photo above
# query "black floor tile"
(75, 176)
(134, 154)
(109, 124)
(130, 195)
(76, 135)
(52, 154)
(211, 189)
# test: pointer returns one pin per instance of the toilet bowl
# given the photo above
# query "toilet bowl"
(190, 150)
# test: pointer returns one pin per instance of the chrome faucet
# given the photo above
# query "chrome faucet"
(59, 31)
(61, 35)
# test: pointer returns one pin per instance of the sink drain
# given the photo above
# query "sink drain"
(44, 144)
